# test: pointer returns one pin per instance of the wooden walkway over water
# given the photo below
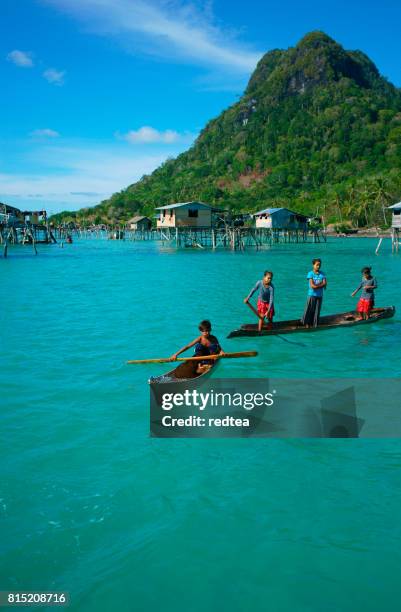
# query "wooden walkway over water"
(209, 238)
(232, 238)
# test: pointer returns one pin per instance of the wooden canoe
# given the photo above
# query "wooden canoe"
(344, 319)
(184, 372)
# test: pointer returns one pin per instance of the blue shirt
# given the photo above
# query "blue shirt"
(266, 294)
(317, 277)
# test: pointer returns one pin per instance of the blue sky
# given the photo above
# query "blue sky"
(97, 93)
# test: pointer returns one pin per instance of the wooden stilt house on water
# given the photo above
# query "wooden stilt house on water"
(185, 214)
(280, 218)
(139, 223)
(282, 222)
(14, 216)
(23, 227)
(395, 226)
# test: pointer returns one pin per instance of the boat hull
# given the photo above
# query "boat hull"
(344, 319)
(185, 372)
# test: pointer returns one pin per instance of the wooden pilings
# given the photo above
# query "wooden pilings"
(225, 237)
(233, 238)
(395, 239)
(23, 233)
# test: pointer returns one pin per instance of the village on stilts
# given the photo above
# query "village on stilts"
(182, 225)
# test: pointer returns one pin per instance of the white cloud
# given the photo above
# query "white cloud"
(54, 76)
(44, 133)
(21, 58)
(165, 28)
(80, 174)
(147, 134)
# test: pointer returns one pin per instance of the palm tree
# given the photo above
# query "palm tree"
(365, 198)
(382, 196)
(345, 210)
(335, 201)
(351, 207)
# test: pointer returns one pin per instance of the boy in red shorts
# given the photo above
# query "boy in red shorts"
(265, 299)
(368, 285)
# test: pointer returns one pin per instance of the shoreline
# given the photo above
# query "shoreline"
(361, 234)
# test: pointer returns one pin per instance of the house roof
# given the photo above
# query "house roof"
(10, 208)
(271, 211)
(137, 219)
(265, 211)
(182, 204)
(396, 206)
(14, 209)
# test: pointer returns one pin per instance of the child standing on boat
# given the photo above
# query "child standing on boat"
(317, 282)
(265, 304)
(367, 300)
(205, 344)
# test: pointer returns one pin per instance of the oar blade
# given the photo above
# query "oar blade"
(200, 358)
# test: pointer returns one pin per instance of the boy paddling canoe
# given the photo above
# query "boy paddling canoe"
(265, 304)
(205, 344)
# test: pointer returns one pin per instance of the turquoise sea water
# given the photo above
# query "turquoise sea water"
(90, 504)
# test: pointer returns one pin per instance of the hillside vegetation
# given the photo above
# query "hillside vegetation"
(318, 130)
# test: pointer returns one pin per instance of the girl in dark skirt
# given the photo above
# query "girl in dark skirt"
(317, 282)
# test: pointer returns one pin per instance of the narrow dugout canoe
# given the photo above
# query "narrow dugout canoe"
(186, 371)
(344, 319)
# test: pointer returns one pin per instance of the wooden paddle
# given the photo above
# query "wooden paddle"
(201, 358)
(254, 310)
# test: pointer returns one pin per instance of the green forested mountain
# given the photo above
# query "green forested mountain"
(318, 129)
